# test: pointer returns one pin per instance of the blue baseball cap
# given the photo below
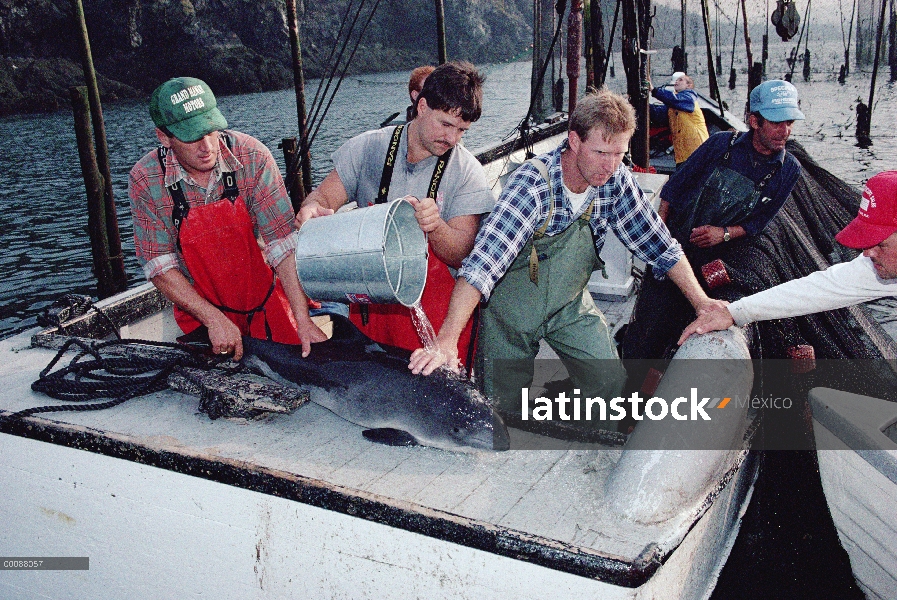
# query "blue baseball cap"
(776, 101)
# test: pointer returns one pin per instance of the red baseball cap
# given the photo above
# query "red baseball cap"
(877, 218)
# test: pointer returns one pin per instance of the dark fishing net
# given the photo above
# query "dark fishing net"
(797, 242)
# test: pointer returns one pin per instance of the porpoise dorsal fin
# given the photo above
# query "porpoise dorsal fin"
(390, 437)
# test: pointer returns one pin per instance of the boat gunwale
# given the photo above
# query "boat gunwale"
(415, 518)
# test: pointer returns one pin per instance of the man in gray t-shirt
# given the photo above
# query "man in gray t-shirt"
(428, 158)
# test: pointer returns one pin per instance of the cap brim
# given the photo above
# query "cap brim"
(196, 128)
(777, 115)
(861, 235)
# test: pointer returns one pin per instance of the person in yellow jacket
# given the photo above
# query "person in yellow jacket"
(687, 127)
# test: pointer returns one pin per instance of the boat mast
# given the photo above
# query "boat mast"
(440, 31)
(574, 52)
(714, 86)
(636, 24)
(299, 82)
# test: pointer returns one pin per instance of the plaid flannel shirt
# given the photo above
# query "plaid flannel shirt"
(258, 180)
(523, 207)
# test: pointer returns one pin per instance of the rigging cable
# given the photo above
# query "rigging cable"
(608, 56)
(792, 60)
(305, 143)
(345, 69)
(524, 124)
(846, 44)
(339, 35)
(732, 76)
(318, 102)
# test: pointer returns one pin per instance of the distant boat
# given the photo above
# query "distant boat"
(662, 158)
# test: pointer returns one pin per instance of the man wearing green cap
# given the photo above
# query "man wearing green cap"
(728, 190)
(200, 202)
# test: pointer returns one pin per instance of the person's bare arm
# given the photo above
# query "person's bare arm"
(663, 210)
(707, 236)
(684, 278)
(711, 320)
(308, 332)
(224, 335)
(464, 300)
(451, 240)
(324, 200)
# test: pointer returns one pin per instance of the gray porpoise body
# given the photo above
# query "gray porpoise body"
(371, 386)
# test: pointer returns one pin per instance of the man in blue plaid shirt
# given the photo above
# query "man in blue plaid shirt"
(535, 253)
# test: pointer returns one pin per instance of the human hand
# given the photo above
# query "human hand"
(426, 212)
(426, 361)
(310, 210)
(225, 337)
(709, 320)
(309, 334)
(706, 236)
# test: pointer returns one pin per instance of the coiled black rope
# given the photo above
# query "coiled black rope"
(90, 375)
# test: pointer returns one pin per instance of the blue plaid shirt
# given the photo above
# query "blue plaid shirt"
(524, 205)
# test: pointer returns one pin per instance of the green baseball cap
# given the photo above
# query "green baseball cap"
(186, 107)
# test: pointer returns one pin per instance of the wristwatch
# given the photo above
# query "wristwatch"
(726, 236)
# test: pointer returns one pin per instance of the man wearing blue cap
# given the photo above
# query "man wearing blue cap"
(200, 202)
(725, 193)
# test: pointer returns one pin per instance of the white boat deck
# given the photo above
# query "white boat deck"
(546, 507)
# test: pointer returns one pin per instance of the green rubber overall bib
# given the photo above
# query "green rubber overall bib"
(556, 306)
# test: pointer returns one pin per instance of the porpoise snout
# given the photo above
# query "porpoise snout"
(500, 438)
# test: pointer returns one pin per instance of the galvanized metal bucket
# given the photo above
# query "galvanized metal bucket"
(373, 254)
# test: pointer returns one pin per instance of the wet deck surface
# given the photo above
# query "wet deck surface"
(516, 490)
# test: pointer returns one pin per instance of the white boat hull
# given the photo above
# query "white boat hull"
(862, 498)
(154, 533)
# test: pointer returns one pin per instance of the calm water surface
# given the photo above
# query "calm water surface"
(43, 221)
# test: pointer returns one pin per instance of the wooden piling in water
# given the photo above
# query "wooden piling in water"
(864, 120)
(113, 238)
(440, 32)
(293, 178)
(93, 183)
(299, 84)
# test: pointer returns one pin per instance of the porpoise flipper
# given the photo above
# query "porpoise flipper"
(390, 437)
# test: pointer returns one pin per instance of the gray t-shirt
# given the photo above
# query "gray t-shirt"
(359, 164)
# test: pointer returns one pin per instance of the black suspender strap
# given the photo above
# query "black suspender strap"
(388, 164)
(230, 178)
(390, 161)
(181, 206)
(438, 172)
(760, 185)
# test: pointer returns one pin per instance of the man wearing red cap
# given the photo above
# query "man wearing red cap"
(870, 276)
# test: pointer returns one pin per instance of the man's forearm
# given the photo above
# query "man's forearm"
(180, 291)
(453, 241)
(685, 279)
(329, 194)
(286, 271)
(464, 300)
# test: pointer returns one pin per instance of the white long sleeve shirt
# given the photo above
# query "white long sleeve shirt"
(844, 284)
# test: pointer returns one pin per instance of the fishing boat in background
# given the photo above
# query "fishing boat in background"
(662, 159)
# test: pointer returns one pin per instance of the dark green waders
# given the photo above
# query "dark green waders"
(554, 305)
